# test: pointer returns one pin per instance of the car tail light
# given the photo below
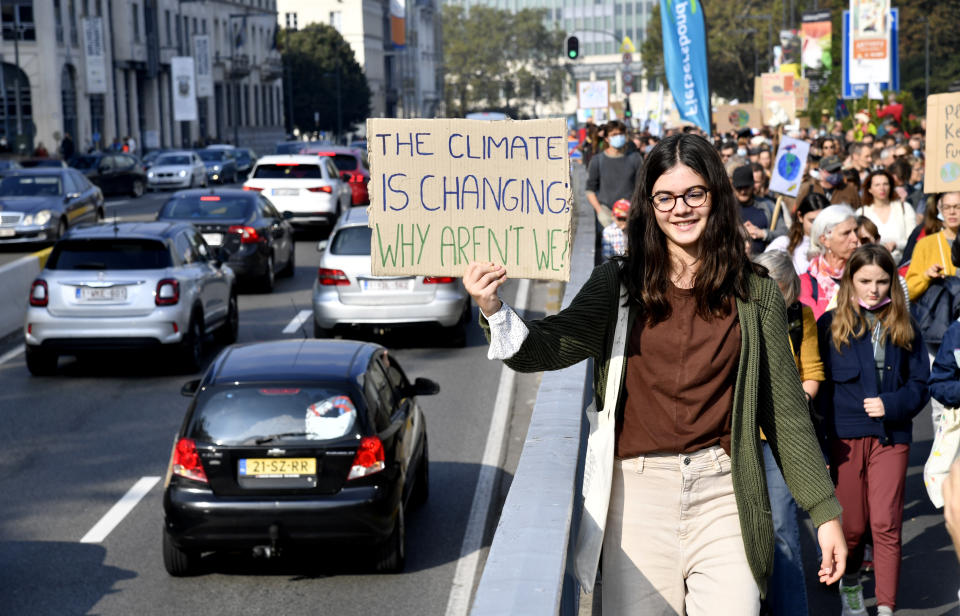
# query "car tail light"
(186, 461)
(437, 280)
(369, 458)
(253, 188)
(316, 189)
(248, 235)
(168, 292)
(332, 277)
(39, 293)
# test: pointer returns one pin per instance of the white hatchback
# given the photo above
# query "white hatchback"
(309, 187)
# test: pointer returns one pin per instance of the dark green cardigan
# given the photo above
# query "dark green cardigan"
(767, 394)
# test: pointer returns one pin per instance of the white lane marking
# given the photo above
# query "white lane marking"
(297, 321)
(11, 354)
(125, 505)
(463, 579)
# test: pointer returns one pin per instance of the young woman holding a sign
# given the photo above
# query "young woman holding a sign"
(707, 364)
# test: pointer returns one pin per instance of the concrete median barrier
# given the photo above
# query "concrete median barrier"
(15, 279)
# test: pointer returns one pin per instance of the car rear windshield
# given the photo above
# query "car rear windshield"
(345, 162)
(288, 148)
(351, 241)
(174, 160)
(109, 254)
(252, 415)
(31, 186)
(208, 206)
(288, 171)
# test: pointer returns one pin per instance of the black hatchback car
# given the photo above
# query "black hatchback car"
(113, 172)
(296, 442)
(266, 246)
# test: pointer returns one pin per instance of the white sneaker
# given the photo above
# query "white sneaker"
(851, 598)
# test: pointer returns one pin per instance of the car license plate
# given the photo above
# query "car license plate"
(7, 232)
(285, 192)
(102, 294)
(214, 239)
(392, 284)
(277, 468)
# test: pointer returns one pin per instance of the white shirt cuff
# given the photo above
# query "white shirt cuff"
(507, 333)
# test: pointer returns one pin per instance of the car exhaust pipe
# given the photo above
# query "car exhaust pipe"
(269, 551)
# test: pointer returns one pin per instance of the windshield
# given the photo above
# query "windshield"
(250, 415)
(345, 162)
(208, 206)
(288, 171)
(243, 156)
(31, 186)
(293, 147)
(84, 162)
(212, 155)
(174, 160)
(351, 241)
(109, 254)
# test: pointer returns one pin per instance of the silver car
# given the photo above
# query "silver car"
(130, 285)
(178, 169)
(346, 295)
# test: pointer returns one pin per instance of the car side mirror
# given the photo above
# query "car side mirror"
(321, 245)
(73, 195)
(422, 387)
(190, 388)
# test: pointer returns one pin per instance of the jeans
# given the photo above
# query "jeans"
(786, 588)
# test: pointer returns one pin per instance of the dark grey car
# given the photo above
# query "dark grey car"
(40, 204)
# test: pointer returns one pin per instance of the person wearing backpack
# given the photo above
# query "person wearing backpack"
(876, 383)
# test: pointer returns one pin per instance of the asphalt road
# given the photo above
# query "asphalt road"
(73, 444)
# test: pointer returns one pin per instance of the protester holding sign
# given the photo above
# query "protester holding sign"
(703, 374)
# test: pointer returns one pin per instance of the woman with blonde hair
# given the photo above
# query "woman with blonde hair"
(876, 370)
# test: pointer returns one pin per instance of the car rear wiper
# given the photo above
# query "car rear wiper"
(273, 437)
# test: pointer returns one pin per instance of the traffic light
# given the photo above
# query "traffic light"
(573, 47)
(627, 112)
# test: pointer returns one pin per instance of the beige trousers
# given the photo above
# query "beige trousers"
(672, 544)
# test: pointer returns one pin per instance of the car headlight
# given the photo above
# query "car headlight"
(42, 217)
(182, 173)
(216, 167)
(149, 174)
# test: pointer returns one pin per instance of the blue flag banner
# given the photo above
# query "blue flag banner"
(685, 59)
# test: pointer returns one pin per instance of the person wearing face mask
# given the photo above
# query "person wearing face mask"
(832, 184)
(611, 175)
(876, 370)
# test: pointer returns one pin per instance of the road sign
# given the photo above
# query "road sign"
(628, 78)
(627, 58)
(627, 88)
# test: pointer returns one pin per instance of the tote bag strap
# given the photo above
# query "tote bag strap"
(615, 370)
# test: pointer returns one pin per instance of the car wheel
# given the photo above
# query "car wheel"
(177, 562)
(269, 277)
(227, 333)
(421, 486)
(61, 229)
(290, 268)
(41, 363)
(191, 348)
(391, 554)
(137, 188)
(321, 332)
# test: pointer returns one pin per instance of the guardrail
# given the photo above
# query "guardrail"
(528, 569)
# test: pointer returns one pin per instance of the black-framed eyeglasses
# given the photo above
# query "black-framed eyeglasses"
(695, 196)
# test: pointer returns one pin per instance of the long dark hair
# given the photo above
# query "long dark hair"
(812, 202)
(724, 270)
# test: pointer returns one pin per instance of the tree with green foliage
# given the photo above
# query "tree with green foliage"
(316, 57)
(495, 59)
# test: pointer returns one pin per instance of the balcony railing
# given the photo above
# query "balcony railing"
(239, 66)
(270, 69)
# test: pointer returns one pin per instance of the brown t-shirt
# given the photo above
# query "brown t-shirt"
(680, 380)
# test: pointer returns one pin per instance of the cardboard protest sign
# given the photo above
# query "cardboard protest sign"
(446, 192)
(788, 166)
(777, 88)
(942, 154)
(735, 117)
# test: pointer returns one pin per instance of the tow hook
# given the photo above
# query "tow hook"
(269, 551)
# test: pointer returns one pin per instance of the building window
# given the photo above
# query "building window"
(18, 17)
(57, 20)
(246, 105)
(72, 12)
(336, 20)
(136, 22)
(166, 20)
(291, 21)
(98, 7)
(203, 26)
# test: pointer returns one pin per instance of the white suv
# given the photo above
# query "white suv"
(309, 187)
